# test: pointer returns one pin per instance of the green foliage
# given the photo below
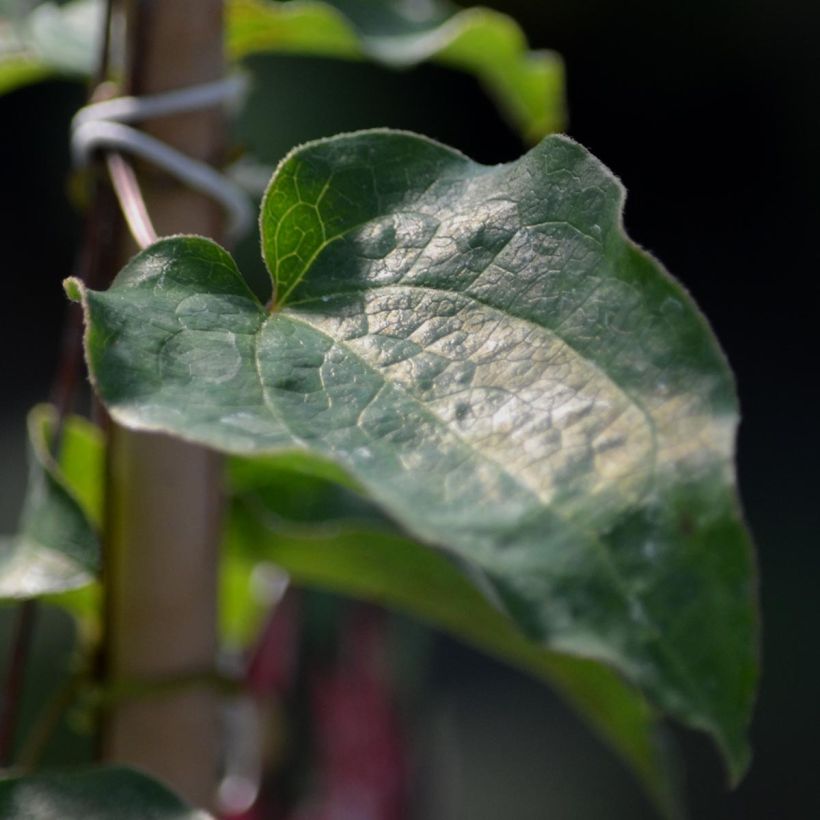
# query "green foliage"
(504, 373)
(528, 86)
(306, 517)
(20, 69)
(94, 794)
(56, 548)
(471, 398)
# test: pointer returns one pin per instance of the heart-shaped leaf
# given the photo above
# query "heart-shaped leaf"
(112, 793)
(56, 548)
(507, 375)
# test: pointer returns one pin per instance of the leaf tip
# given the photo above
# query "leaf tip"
(737, 761)
(73, 288)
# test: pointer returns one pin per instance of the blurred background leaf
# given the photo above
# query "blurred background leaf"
(528, 86)
(94, 794)
(56, 547)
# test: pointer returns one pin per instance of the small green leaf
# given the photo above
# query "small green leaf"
(51, 40)
(528, 86)
(56, 548)
(112, 793)
(82, 462)
(308, 28)
(18, 66)
(20, 69)
(506, 375)
(65, 37)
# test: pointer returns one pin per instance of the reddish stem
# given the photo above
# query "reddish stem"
(13, 687)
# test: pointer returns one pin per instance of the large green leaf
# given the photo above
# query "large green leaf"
(112, 793)
(528, 86)
(56, 548)
(507, 375)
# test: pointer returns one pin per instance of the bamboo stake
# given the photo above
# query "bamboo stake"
(163, 505)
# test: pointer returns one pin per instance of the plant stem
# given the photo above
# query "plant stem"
(130, 198)
(100, 228)
(13, 688)
(47, 722)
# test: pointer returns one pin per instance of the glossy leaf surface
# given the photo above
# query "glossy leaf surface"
(56, 548)
(94, 794)
(528, 86)
(485, 352)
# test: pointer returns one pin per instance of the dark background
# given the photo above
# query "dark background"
(709, 111)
